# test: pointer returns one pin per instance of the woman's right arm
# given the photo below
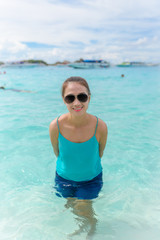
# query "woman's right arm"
(53, 132)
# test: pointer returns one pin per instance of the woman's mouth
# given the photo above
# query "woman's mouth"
(77, 109)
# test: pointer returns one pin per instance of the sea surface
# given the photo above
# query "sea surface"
(128, 207)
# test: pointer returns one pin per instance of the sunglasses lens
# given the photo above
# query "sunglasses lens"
(69, 98)
(82, 97)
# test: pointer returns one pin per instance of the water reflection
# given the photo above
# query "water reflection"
(85, 217)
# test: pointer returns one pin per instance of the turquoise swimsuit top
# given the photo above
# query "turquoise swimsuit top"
(78, 161)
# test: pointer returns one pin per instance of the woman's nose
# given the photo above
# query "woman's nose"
(76, 101)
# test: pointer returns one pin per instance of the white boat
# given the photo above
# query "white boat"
(124, 64)
(136, 64)
(89, 64)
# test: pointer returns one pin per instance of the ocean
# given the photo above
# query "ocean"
(128, 206)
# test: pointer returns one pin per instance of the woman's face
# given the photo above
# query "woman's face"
(76, 108)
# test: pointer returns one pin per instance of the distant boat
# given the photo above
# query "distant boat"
(124, 64)
(89, 64)
(135, 64)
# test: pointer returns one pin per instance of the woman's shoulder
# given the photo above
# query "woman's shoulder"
(101, 123)
(53, 127)
(62, 118)
(56, 121)
(102, 126)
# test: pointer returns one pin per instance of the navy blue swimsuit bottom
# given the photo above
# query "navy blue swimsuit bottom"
(81, 190)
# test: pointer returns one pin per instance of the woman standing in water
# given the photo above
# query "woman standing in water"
(78, 139)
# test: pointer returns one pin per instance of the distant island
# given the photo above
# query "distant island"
(81, 63)
(23, 63)
(32, 61)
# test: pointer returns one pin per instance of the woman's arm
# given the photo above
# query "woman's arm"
(53, 132)
(103, 133)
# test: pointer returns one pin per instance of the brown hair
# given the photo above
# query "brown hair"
(79, 80)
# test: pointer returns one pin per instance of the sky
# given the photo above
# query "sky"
(58, 30)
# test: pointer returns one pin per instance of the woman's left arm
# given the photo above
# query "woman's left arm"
(103, 131)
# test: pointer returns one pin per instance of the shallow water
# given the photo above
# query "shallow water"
(128, 207)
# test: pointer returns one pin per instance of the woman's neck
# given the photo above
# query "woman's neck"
(78, 121)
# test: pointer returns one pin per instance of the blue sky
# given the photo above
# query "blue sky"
(57, 30)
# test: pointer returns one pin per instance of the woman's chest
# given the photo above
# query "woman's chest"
(78, 135)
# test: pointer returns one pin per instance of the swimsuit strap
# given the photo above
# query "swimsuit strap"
(96, 126)
(58, 124)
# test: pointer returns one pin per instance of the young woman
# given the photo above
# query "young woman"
(78, 139)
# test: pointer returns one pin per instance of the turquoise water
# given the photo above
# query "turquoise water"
(128, 207)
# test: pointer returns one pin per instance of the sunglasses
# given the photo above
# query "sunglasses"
(82, 97)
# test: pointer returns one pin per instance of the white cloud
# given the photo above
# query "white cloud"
(141, 41)
(118, 28)
(11, 49)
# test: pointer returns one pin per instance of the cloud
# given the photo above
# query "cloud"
(12, 49)
(141, 41)
(58, 29)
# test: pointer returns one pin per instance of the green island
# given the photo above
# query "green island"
(32, 61)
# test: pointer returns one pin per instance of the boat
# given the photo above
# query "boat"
(89, 64)
(124, 64)
(136, 64)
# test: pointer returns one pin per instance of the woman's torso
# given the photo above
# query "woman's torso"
(78, 158)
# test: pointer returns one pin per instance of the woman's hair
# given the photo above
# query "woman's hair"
(79, 80)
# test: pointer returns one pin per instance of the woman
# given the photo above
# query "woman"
(78, 139)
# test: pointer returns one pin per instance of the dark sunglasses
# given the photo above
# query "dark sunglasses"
(82, 97)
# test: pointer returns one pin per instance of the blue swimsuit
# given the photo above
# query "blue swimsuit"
(78, 170)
